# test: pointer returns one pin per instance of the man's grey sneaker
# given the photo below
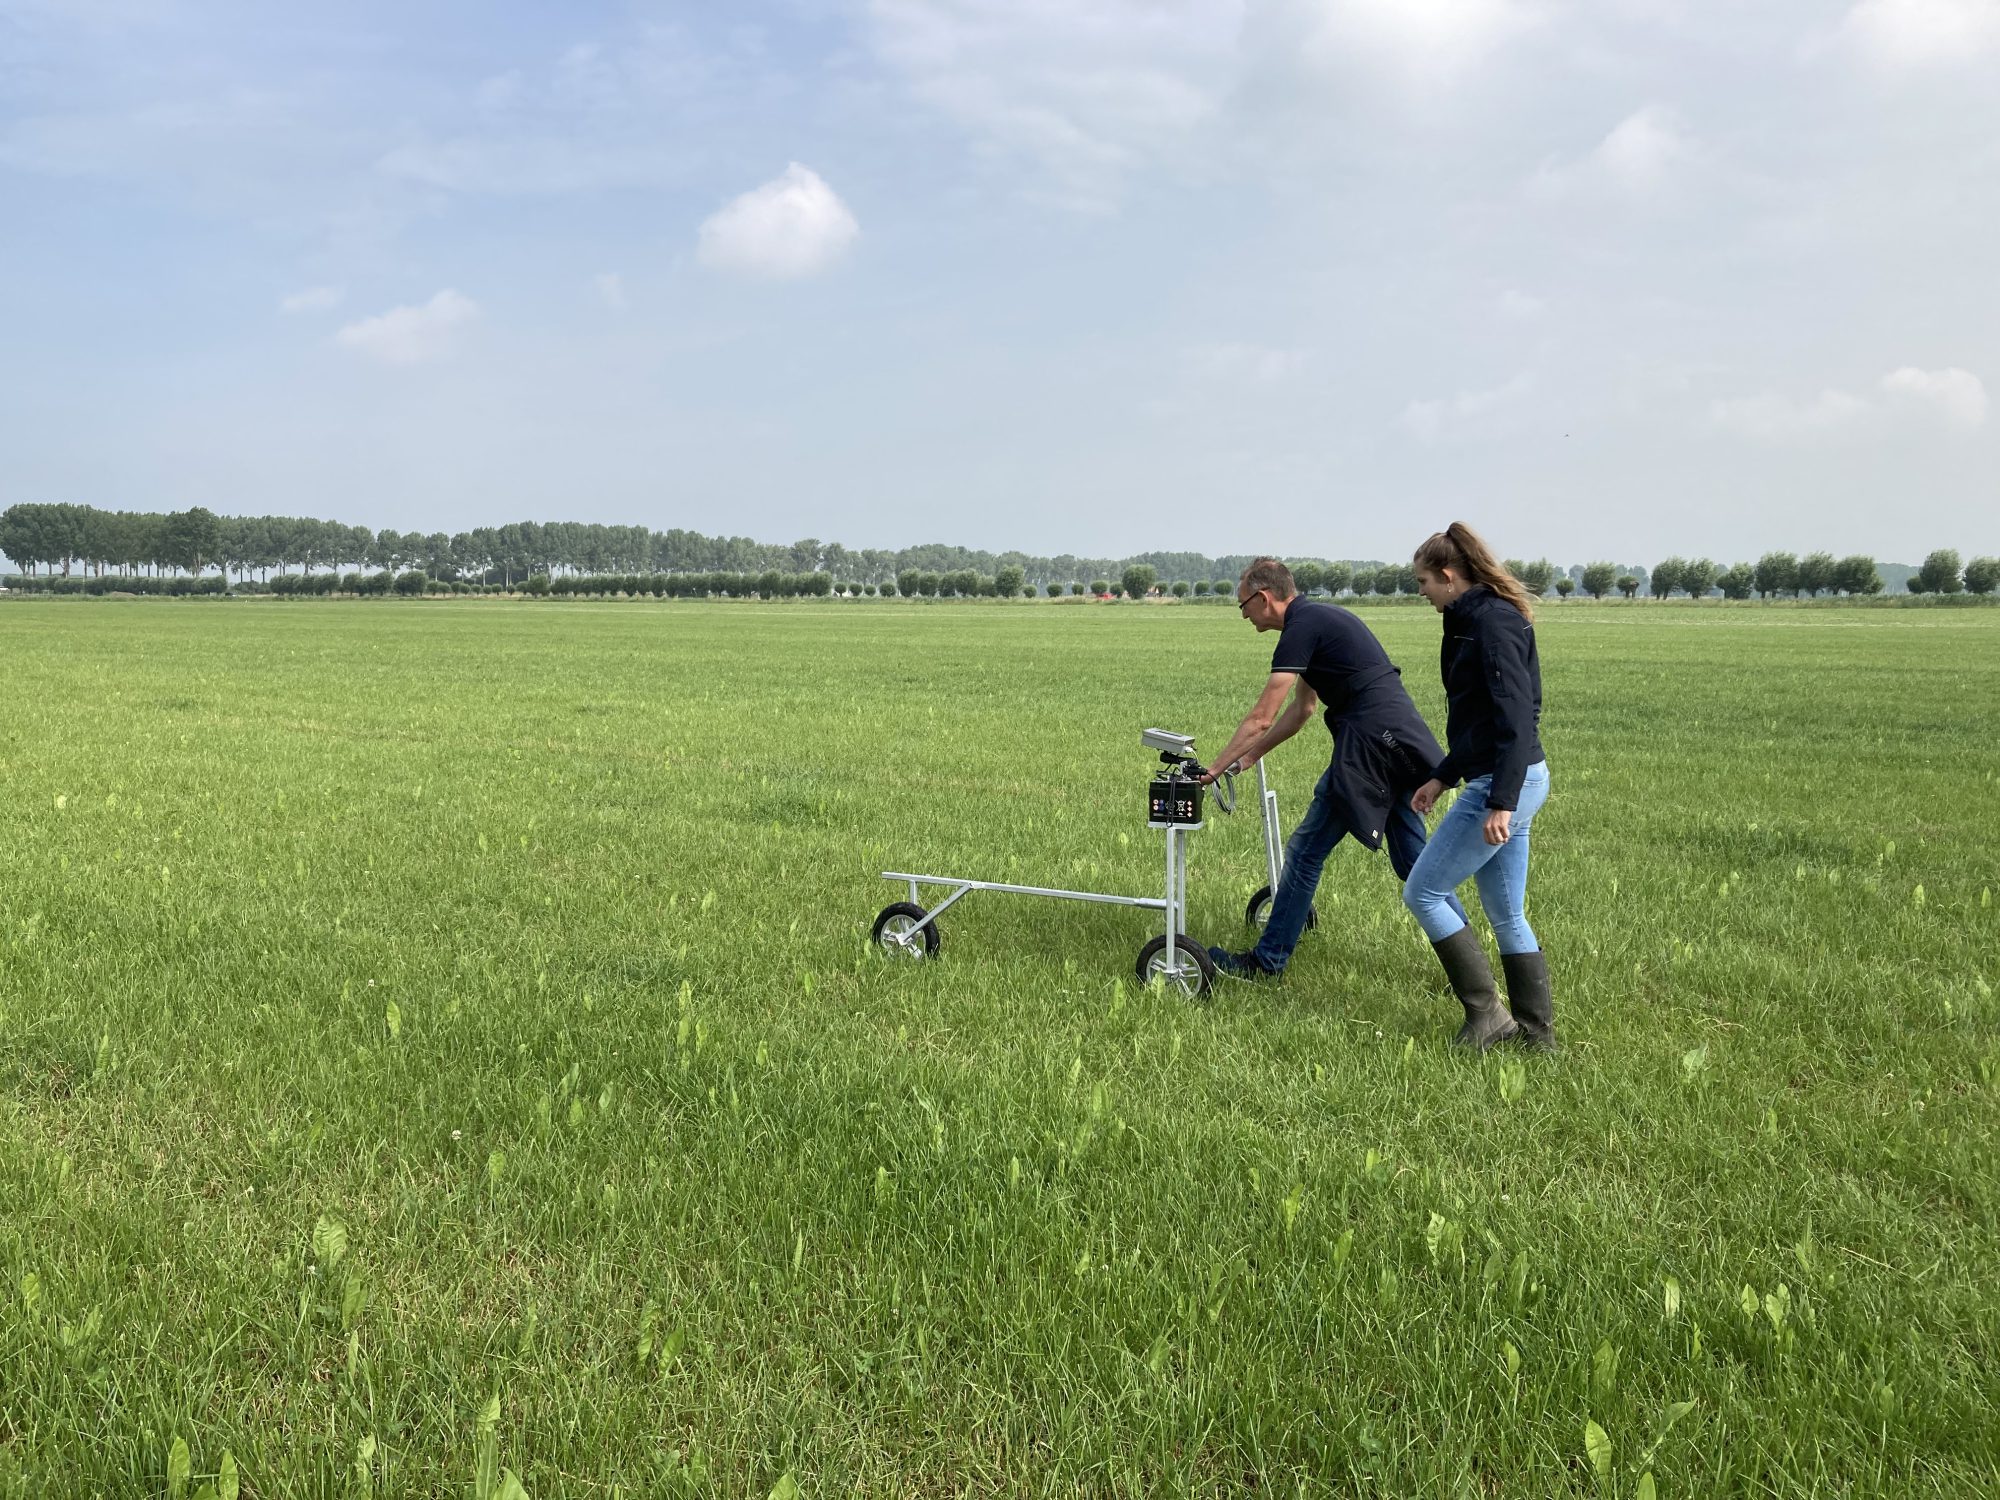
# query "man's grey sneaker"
(1239, 965)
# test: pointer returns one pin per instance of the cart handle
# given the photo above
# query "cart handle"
(1225, 791)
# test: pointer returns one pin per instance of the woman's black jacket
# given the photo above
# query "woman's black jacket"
(1493, 694)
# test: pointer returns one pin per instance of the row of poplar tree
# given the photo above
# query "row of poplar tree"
(64, 538)
(1785, 574)
(582, 557)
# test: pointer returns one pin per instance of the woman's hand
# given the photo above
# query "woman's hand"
(1424, 798)
(1499, 824)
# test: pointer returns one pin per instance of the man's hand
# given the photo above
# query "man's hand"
(1234, 768)
(1424, 798)
(1499, 825)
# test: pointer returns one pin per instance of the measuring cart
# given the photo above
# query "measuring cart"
(1174, 805)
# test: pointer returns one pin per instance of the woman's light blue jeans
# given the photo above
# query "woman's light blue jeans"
(1458, 851)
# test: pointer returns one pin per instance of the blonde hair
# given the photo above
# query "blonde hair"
(1459, 548)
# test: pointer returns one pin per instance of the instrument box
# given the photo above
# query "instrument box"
(1174, 801)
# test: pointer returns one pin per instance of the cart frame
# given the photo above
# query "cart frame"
(911, 929)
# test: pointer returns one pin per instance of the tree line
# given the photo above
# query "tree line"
(1787, 575)
(64, 538)
(291, 554)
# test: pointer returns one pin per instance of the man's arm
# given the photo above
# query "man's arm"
(1298, 713)
(1262, 728)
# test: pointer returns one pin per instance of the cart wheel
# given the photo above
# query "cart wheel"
(1258, 912)
(897, 933)
(1197, 975)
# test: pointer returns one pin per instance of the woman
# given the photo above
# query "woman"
(1493, 691)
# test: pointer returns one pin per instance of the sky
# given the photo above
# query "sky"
(1613, 279)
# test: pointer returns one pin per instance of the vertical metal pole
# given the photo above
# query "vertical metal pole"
(1173, 953)
(1183, 889)
(1267, 801)
(1274, 841)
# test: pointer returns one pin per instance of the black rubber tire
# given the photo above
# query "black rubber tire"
(1189, 949)
(1258, 912)
(914, 913)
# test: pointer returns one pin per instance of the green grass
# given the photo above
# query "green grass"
(402, 1005)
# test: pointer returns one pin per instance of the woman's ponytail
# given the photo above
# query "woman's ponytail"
(1462, 550)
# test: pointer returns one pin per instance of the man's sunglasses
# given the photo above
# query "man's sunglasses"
(1243, 605)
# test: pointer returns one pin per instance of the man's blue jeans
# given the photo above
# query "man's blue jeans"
(1460, 853)
(1305, 855)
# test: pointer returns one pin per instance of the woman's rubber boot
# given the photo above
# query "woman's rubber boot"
(1528, 997)
(1486, 1019)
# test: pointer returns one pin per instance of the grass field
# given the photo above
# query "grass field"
(438, 1040)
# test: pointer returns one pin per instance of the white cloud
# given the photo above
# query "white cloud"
(411, 335)
(500, 93)
(1468, 413)
(1087, 91)
(792, 226)
(313, 299)
(1518, 307)
(611, 291)
(1092, 93)
(1637, 160)
(1259, 363)
(1426, 41)
(598, 116)
(1903, 34)
(1642, 148)
(1769, 415)
(1958, 395)
(523, 165)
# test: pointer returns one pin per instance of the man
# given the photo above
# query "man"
(1382, 749)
